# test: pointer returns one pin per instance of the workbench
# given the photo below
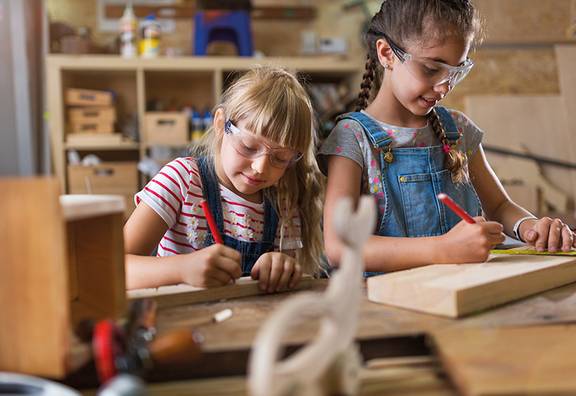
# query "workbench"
(409, 364)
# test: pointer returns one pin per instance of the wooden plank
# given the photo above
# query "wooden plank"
(528, 124)
(172, 296)
(456, 290)
(511, 361)
(33, 278)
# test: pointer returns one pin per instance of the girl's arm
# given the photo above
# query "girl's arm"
(142, 233)
(496, 203)
(464, 243)
(213, 266)
(544, 234)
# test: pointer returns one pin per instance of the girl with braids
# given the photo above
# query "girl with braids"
(404, 148)
(256, 169)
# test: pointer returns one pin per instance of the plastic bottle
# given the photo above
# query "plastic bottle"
(207, 119)
(197, 126)
(150, 41)
(128, 28)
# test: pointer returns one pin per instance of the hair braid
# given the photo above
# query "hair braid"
(366, 85)
(455, 160)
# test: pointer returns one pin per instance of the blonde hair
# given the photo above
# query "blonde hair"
(274, 105)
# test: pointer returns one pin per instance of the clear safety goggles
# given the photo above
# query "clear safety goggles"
(429, 71)
(248, 146)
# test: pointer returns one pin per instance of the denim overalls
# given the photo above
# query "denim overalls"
(412, 181)
(250, 251)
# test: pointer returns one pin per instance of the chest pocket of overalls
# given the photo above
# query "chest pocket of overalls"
(424, 215)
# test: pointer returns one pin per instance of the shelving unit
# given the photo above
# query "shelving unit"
(190, 81)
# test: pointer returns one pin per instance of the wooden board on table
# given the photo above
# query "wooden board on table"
(534, 360)
(171, 296)
(455, 290)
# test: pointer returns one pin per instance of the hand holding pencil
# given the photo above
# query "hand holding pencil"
(213, 266)
(471, 239)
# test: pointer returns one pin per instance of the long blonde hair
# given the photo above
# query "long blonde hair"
(274, 105)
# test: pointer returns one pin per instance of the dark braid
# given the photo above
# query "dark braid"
(366, 85)
(455, 160)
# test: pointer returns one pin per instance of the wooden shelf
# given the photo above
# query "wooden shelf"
(99, 146)
(324, 64)
(180, 81)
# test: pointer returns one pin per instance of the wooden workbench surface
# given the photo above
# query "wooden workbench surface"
(376, 320)
(398, 376)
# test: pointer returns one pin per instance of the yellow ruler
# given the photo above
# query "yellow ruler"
(528, 250)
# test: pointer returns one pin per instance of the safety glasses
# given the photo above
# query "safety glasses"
(247, 145)
(429, 71)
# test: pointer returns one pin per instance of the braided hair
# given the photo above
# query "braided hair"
(454, 160)
(430, 18)
(366, 85)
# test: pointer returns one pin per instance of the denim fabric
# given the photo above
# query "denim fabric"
(250, 251)
(412, 181)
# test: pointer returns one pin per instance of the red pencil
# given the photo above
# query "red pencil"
(455, 208)
(211, 223)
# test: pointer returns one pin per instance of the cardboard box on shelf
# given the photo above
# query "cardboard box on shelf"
(88, 97)
(95, 126)
(166, 128)
(118, 178)
(92, 114)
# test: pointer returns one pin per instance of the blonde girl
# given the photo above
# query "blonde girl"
(256, 170)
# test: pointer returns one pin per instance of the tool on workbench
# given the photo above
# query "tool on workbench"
(134, 348)
(531, 251)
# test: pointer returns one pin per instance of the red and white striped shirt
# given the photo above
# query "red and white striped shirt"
(175, 194)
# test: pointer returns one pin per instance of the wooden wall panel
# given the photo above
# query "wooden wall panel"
(508, 72)
(566, 55)
(532, 124)
(527, 21)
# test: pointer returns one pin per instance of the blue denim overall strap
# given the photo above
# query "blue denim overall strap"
(250, 251)
(411, 182)
(377, 136)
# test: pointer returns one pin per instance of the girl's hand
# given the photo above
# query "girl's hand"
(470, 243)
(547, 234)
(216, 265)
(276, 271)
